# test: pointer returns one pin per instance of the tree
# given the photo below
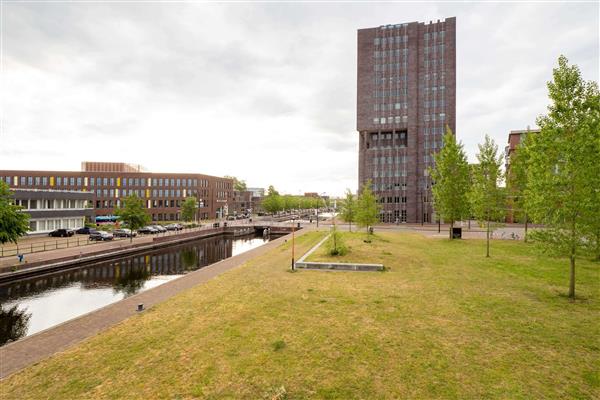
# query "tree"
(348, 209)
(516, 182)
(487, 198)
(367, 208)
(450, 181)
(563, 167)
(189, 209)
(133, 213)
(13, 222)
(238, 184)
(272, 202)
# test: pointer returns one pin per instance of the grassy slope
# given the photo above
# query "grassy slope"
(444, 322)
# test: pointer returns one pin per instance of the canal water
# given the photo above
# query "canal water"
(37, 303)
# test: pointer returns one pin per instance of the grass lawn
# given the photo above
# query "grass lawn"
(442, 322)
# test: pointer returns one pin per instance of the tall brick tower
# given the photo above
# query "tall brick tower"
(405, 99)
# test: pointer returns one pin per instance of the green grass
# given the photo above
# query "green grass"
(442, 322)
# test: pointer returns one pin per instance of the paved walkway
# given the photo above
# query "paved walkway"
(32, 349)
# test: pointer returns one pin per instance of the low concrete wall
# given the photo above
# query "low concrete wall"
(334, 266)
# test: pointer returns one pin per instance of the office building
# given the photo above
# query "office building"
(163, 193)
(406, 97)
(54, 209)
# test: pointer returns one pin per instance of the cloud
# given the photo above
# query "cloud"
(266, 91)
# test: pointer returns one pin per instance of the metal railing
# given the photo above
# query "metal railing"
(65, 243)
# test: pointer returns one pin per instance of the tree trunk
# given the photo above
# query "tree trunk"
(525, 228)
(488, 239)
(572, 278)
(451, 226)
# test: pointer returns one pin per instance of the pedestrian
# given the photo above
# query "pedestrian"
(20, 257)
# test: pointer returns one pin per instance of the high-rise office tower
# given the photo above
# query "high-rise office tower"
(405, 99)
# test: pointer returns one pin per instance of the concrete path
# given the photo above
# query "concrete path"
(32, 349)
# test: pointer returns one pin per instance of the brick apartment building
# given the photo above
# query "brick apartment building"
(406, 96)
(163, 193)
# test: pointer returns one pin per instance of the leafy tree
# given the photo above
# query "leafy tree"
(272, 202)
(348, 209)
(238, 184)
(451, 181)
(189, 209)
(516, 182)
(133, 213)
(563, 167)
(367, 208)
(13, 222)
(487, 197)
(14, 323)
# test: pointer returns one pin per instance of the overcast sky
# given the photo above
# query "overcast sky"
(265, 92)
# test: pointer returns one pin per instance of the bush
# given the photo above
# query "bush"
(335, 244)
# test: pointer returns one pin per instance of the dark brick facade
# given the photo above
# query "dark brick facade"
(406, 96)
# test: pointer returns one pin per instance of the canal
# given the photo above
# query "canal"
(33, 304)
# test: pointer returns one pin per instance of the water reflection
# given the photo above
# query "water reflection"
(13, 324)
(34, 304)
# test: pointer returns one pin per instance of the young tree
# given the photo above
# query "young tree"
(133, 213)
(348, 209)
(367, 208)
(563, 165)
(189, 209)
(487, 198)
(516, 182)
(450, 178)
(13, 222)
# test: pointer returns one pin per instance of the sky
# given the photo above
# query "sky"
(265, 92)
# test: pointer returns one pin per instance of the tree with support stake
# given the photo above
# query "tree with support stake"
(450, 181)
(134, 213)
(563, 169)
(486, 197)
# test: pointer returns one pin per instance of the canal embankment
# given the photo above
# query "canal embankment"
(31, 349)
(62, 259)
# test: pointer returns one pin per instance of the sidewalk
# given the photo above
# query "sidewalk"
(22, 353)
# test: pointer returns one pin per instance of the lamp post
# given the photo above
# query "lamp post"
(293, 245)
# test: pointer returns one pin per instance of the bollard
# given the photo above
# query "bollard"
(140, 307)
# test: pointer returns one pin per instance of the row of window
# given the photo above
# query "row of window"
(390, 120)
(398, 80)
(166, 203)
(434, 117)
(391, 53)
(391, 106)
(434, 76)
(391, 66)
(389, 173)
(36, 181)
(434, 103)
(393, 199)
(155, 193)
(390, 40)
(434, 35)
(47, 225)
(434, 63)
(376, 187)
(389, 160)
(439, 48)
(43, 204)
(397, 92)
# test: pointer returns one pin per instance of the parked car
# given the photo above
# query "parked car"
(159, 228)
(101, 236)
(231, 218)
(147, 230)
(124, 233)
(62, 233)
(174, 227)
(85, 231)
